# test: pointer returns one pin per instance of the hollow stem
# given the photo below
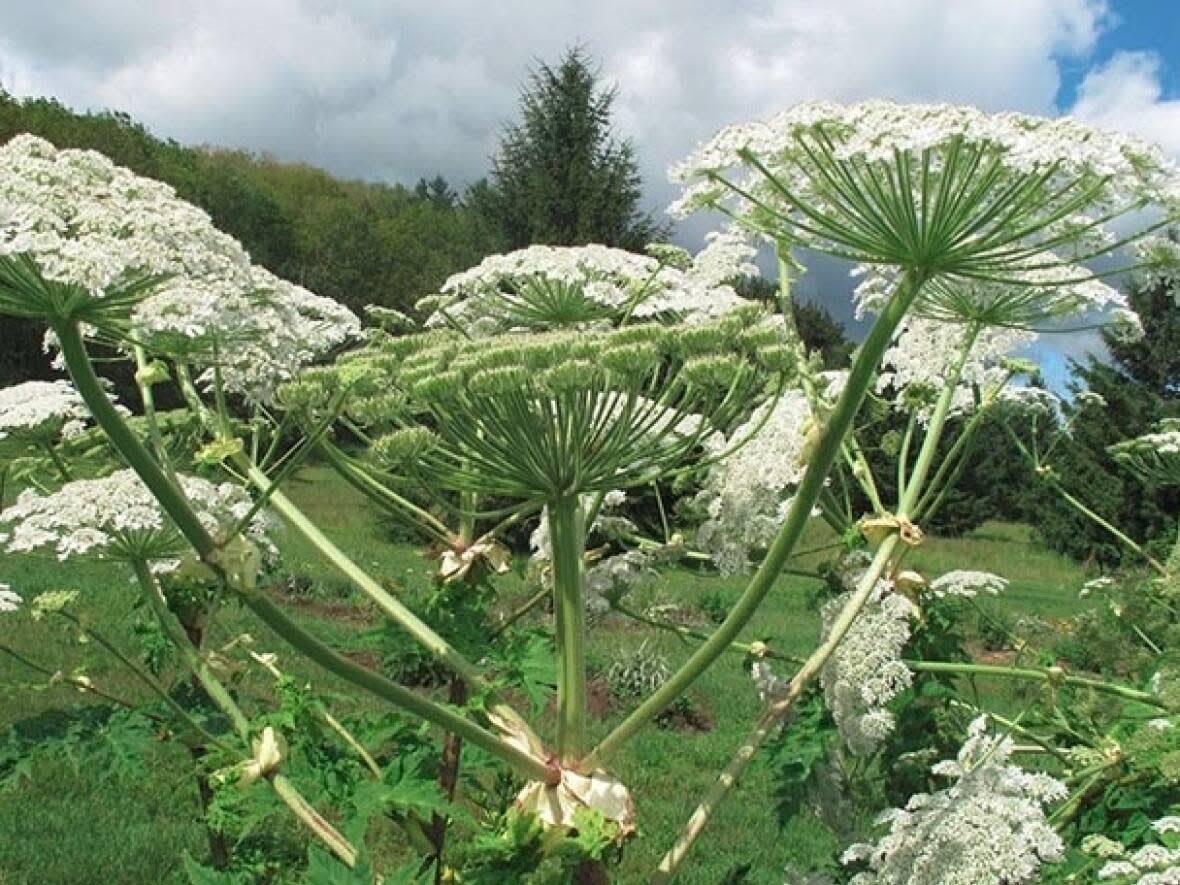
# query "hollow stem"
(827, 450)
(1051, 676)
(774, 715)
(568, 537)
(442, 716)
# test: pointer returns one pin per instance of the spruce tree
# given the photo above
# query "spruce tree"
(561, 176)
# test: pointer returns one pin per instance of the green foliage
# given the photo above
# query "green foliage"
(1141, 385)
(560, 176)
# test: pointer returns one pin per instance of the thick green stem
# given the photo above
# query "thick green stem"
(1053, 676)
(429, 639)
(126, 443)
(444, 717)
(567, 538)
(827, 450)
(212, 686)
(775, 713)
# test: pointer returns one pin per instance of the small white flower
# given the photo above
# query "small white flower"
(10, 600)
(989, 825)
(965, 583)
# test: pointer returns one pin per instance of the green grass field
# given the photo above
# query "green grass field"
(65, 825)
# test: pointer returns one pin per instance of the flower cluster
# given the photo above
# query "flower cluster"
(988, 826)
(117, 517)
(746, 493)
(542, 287)
(97, 226)
(42, 411)
(917, 367)
(10, 600)
(938, 191)
(967, 584)
(1049, 290)
(1150, 865)
(866, 671)
(258, 337)
(1154, 455)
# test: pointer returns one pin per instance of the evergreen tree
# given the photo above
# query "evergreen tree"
(1141, 384)
(561, 177)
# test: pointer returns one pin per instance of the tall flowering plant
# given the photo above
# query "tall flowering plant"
(556, 380)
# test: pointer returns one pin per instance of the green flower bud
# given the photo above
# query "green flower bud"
(404, 446)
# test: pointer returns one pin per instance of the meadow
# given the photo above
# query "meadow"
(65, 823)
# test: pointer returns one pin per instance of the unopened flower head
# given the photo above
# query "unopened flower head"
(934, 189)
(116, 517)
(561, 413)
(866, 671)
(989, 825)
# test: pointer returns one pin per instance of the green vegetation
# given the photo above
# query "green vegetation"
(69, 823)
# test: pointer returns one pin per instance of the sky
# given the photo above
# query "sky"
(398, 89)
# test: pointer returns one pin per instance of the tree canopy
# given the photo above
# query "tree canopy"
(561, 177)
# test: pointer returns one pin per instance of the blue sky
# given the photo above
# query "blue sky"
(1136, 25)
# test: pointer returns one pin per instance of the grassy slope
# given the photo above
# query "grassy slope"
(68, 827)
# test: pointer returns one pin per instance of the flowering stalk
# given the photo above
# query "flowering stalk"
(567, 535)
(827, 449)
(1051, 675)
(774, 714)
(882, 561)
(177, 508)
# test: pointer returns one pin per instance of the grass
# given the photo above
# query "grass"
(65, 825)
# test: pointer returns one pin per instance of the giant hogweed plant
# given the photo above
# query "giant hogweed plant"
(550, 380)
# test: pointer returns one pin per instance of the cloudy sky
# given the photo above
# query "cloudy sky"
(397, 89)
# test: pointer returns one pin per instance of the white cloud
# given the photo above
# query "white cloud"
(1126, 94)
(401, 89)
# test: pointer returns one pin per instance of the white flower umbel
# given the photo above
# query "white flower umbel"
(965, 583)
(1150, 864)
(546, 287)
(10, 600)
(116, 517)
(744, 494)
(916, 368)
(1155, 456)
(259, 336)
(866, 671)
(940, 188)
(989, 825)
(96, 226)
(41, 411)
